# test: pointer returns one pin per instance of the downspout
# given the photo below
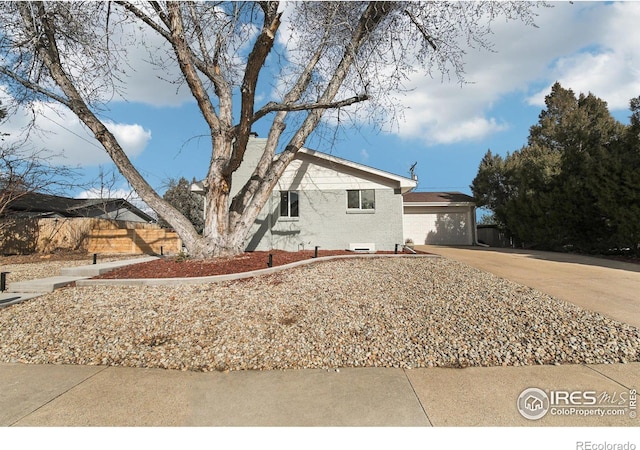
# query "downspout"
(414, 177)
(475, 230)
(270, 220)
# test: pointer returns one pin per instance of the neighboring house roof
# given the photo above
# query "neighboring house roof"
(35, 204)
(438, 199)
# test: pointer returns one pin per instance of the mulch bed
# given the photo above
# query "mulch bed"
(183, 268)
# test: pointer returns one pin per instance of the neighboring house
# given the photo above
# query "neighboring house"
(37, 222)
(37, 205)
(326, 201)
(440, 218)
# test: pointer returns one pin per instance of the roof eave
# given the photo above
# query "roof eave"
(406, 203)
(404, 183)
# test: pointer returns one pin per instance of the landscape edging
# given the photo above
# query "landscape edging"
(228, 277)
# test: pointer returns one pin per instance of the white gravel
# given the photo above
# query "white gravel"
(45, 269)
(383, 312)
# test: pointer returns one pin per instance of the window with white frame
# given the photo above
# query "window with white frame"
(289, 204)
(361, 199)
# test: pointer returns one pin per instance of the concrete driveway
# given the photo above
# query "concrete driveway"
(609, 287)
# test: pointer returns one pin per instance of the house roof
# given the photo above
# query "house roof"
(437, 199)
(406, 184)
(38, 204)
(35, 202)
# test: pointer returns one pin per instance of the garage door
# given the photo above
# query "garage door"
(434, 226)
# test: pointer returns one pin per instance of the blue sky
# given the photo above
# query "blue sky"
(446, 127)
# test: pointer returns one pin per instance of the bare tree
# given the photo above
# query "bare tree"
(23, 171)
(347, 56)
(109, 186)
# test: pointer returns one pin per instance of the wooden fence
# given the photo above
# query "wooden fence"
(140, 241)
(26, 235)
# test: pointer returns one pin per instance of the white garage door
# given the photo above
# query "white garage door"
(438, 226)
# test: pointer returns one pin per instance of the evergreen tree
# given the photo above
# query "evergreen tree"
(624, 201)
(575, 185)
(580, 131)
(529, 211)
(489, 187)
(190, 204)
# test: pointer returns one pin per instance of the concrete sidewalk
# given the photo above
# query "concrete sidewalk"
(52, 395)
(26, 290)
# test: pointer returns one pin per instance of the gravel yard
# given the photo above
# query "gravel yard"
(44, 269)
(384, 312)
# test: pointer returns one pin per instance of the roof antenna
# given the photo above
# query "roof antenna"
(412, 171)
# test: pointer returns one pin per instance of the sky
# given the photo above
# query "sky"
(446, 127)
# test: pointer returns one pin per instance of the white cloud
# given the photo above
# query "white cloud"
(588, 47)
(146, 82)
(153, 76)
(133, 138)
(107, 192)
(141, 61)
(58, 131)
(445, 112)
(610, 76)
(611, 69)
(467, 130)
(448, 113)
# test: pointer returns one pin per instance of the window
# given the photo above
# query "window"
(361, 199)
(289, 204)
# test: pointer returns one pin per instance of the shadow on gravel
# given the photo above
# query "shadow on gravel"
(560, 257)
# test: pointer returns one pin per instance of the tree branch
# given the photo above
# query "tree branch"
(420, 28)
(146, 19)
(29, 85)
(274, 106)
(369, 21)
(186, 63)
(275, 131)
(200, 35)
(210, 69)
(261, 49)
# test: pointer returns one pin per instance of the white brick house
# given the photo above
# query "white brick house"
(322, 200)
(330, 202)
